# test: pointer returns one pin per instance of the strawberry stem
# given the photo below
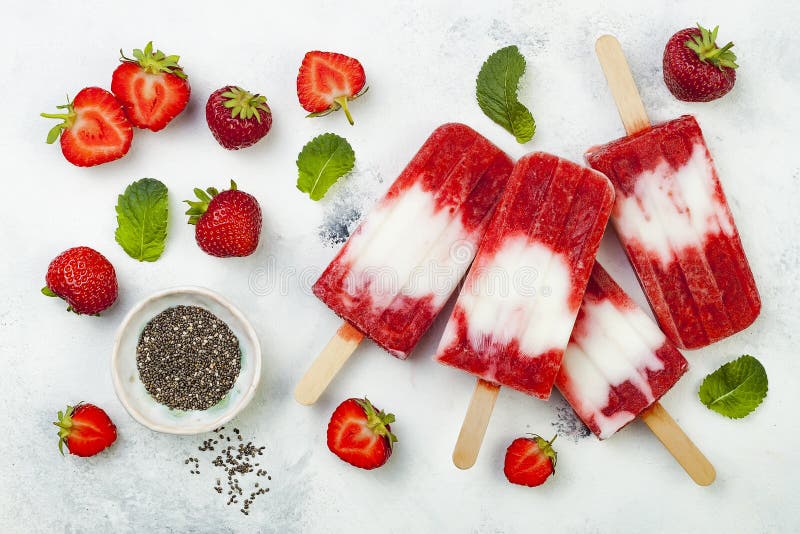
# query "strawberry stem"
(67, 120)
(342, 101)
(46, 291)
(244, 104)
(155, 62)
(705, 46)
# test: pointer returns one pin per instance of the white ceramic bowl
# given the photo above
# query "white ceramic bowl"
(130, 389)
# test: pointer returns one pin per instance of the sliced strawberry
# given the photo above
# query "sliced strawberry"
(360, 435)
(529, 461)
(85, 429)
(327, 81)
(94, 130)
(152, 87)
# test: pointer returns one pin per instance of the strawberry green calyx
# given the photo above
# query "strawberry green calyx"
(198, 207)
(47, 292)
(244, 104)
(68, 119)
(378, 422)
(340, 102)
(64, 424)
(705, 46)
(547, 448)
(155, 62)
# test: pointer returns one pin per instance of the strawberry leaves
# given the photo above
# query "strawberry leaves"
(705, 46)
(321, 162)
(155, 62)
(496, 92)
(142, 215)
(735, 389)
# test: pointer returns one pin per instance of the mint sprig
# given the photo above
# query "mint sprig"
(323, 160)
(142, 214)
(735, 389)
(497, 85)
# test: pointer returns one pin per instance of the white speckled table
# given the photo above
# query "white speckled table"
(421, 60)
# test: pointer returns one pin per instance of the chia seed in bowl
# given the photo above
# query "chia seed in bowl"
(188, 358)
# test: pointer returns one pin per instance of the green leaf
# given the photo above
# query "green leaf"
(54, 132)
(46, 291)
(735, 389)
(142, 213)
(496, 91)
(323, 160)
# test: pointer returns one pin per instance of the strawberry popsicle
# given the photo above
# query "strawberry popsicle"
(672, 217)
(618, 363)
(400, 266)
(514, 315)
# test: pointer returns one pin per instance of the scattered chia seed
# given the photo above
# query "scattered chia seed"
(188, 359)
(237, 463)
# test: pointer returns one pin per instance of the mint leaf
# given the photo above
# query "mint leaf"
(736, 388)
(497, 93)
(142, 213)
(323, 160)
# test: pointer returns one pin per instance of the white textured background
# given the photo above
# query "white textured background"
(421, 59)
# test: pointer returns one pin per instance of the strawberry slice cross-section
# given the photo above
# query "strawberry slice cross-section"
(327, 81)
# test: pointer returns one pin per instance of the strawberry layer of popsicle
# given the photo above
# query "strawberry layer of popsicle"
(513, 317)
(618, 363)
(402, 263)
(672, 217)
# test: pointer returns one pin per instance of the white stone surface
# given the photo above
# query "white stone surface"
(421, 60)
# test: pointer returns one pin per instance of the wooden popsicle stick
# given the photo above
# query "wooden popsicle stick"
(475, 422)
(634, 118)
(327, 364)
(620, 81)
(679, 445)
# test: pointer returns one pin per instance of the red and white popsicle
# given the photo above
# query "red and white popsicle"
(513, 317)
(402, 263)
(672, 218)
(618, 363)
(617, 366)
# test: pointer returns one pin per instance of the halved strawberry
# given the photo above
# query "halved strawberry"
(152, 87)
(360, 435)
(529, 461)
(93, 130)
(85, 429)
(327, 81)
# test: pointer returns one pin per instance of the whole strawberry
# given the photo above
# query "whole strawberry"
(84, 278)
(695, 69)
(228, 223)
(327, 81)
(530, 461)
(237, 118)
(360, 435)
(94, 128)
(85, 429)
(152, 87)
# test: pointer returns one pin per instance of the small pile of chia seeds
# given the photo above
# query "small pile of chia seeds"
(188, 359)
(237, 462)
